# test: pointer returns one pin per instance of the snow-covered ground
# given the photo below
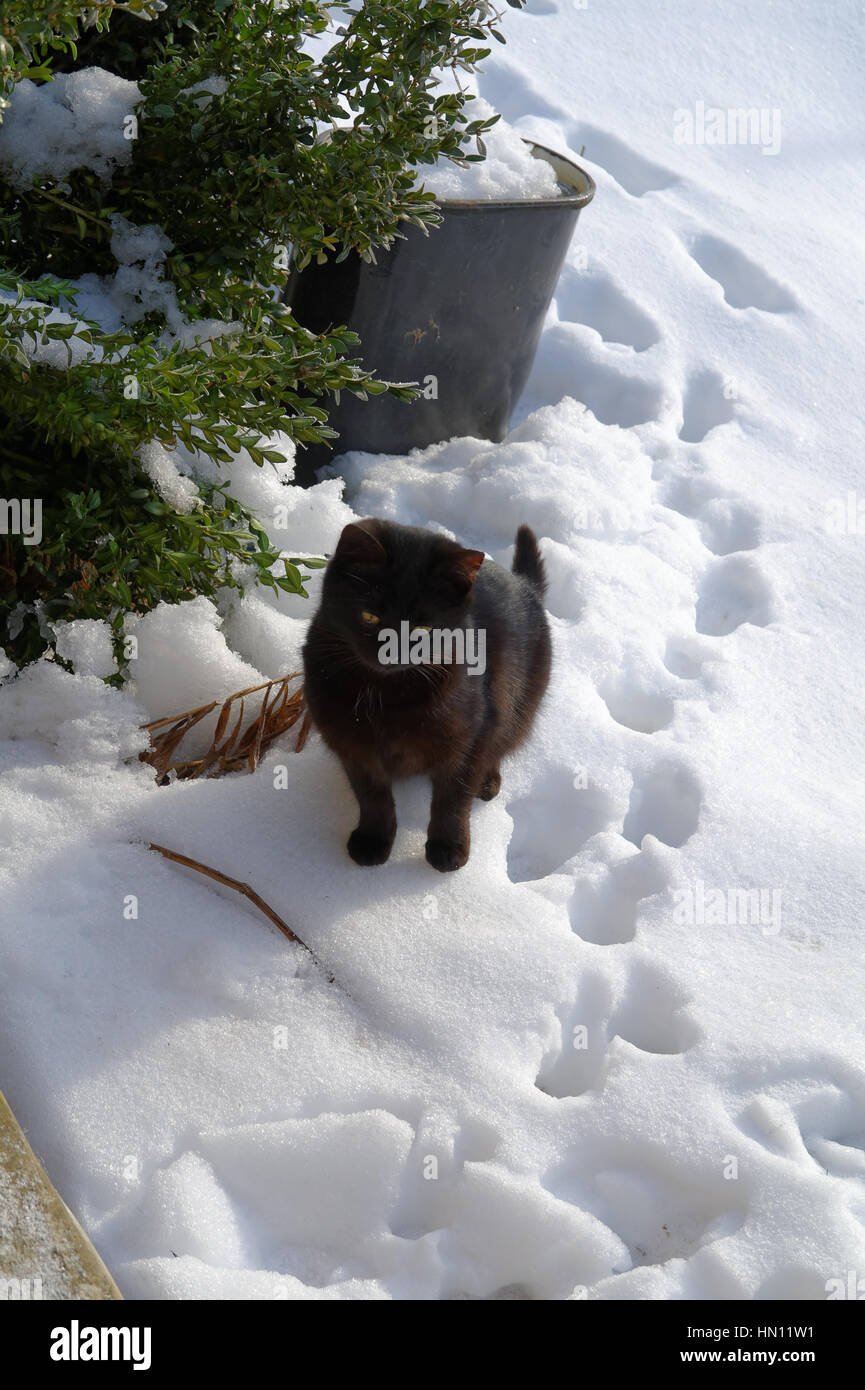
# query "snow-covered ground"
(593, 1062)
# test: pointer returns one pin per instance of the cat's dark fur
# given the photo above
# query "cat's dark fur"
(386, 722)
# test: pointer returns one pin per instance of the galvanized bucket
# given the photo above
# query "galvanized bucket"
(459, 312)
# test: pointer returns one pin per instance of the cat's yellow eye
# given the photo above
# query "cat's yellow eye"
(371, 619)
(421, 627)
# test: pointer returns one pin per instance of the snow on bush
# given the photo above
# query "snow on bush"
(79, 118)
(510, 170)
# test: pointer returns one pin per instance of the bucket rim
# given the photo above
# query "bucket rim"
(578, 200)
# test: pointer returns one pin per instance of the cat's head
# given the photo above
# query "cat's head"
(383, 574)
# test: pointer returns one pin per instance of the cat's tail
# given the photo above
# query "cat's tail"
(527, 559)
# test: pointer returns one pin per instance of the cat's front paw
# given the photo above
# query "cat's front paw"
(490, 786)
(367, 848)
(446, 855)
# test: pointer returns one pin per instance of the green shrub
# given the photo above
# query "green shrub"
(231, 179)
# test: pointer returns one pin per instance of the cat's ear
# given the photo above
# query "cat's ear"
(361, 543)
(465, 567)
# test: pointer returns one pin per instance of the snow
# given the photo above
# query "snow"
(509, 170)
(210, 86)
(227, 1123)
(86, 643)
(81, 118)
(138, 285)
(175, 489)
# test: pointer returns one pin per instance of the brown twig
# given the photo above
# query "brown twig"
(231, 752)
(304, 732)
(247, 892)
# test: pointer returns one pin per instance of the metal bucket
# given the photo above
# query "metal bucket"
(459, 311)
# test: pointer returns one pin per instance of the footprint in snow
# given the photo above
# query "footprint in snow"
(604, 907)
(659, 1210)
(706, 405)
(824, 1126)
(661, 1218)
(687, 495)
(590, 297)
(552, 823)
(733, 592)
(745, 284)
(640, 710)
(507, 88)
(632, 171)
(565, 366)
(685, 657)
(442, 1148)
(650, 1014)
(665, 802)
(726, 524)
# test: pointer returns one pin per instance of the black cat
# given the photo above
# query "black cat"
(425, 658)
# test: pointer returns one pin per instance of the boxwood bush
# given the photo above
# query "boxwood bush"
(282, 147)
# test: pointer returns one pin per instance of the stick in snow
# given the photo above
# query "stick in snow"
(247, 892)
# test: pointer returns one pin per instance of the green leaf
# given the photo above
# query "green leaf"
(223, 182)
